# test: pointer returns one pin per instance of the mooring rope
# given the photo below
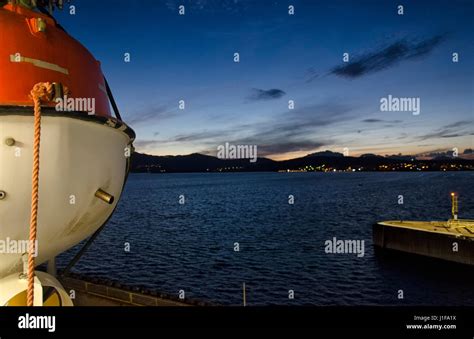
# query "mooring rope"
(41, 91)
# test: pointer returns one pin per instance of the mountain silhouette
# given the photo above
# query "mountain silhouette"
(321, 161)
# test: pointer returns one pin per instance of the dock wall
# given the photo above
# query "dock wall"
(435, 245)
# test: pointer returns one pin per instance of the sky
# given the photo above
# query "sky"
(285, 57)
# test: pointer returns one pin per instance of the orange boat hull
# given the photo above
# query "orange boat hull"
(30, 54)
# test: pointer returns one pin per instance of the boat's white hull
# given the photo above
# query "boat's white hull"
(13, 291)
(78, 157)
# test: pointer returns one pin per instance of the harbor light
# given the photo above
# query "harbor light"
(454, 205)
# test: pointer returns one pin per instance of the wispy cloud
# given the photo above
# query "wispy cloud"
(298, 130)
(454, 130)
(153, 114)
(389, 56)
(269, 94)
(290, 146)
(147, 143)
(198, 136)
(311, 75)
(372, 121)
(462, 123)
(305, 120)
(288, 131)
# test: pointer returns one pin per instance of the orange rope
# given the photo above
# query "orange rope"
(41, 91)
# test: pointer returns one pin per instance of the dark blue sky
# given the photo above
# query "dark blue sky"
(285, 58)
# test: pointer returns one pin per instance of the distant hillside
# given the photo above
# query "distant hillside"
(196, 163)
(326, 154)
(323, 161)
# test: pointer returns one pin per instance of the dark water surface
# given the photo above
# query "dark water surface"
(190, 247)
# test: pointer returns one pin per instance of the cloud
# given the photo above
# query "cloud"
(261, 94)
(389, 56)
(265, 150)
(381, 121)
(467, 154)
(198, 136)
(436, 153)
(299, 130)
(454, 135)
(438, 134)
(304, 120)
(206, 137)
(311, 75)
(462, 123)
(290, 146)
(152, 114)
(141, 144)
(453, 130)
(372, 120)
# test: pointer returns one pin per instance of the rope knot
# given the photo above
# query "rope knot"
(42, 91)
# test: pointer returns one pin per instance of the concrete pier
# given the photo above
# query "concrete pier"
(451, 240)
